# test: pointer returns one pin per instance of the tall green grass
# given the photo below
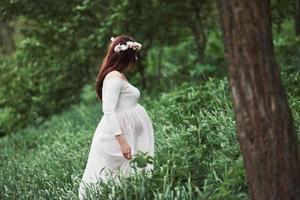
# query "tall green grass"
(196, 151)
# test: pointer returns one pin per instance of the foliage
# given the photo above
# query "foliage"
(34, 85)
(63, 42)
(196, 150)
(58, 53)
(69, 38)
(287, 45)
(282, 10)
(197, 154)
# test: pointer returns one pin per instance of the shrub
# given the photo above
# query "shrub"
(35, 84)
(197, 154)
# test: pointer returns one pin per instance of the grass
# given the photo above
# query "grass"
(196, 150)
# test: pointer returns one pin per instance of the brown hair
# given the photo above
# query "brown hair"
(115, 61)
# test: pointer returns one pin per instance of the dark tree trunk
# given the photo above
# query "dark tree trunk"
(6, 39)
(141, 69)
(141, 61)
(297, 17)
(200, 39)
(198, 29)
(264, 121)
(159, 63)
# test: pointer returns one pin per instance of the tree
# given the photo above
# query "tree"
(6, 39)
(198, 16)
(53, 62)
(150, 23)
(297, 17)
(263, 118)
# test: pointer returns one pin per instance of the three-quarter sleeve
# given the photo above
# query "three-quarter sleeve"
(110, 97)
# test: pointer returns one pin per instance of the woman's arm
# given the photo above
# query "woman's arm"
(110, 96)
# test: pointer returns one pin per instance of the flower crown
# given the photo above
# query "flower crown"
(129, 44)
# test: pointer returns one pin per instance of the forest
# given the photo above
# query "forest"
(220, 80)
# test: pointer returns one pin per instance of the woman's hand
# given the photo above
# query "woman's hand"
(125, 148)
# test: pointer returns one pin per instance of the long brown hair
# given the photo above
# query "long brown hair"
(115, 61)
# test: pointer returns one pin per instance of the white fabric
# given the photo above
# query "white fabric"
(122, 114)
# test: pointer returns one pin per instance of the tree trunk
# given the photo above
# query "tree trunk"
(264, 122)
(159, 63)
(141, 70)
(297, 17)
(6, 39)
(142, 59)
(200, 39)
(198, 29)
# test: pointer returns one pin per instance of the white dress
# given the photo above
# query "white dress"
(122, 114)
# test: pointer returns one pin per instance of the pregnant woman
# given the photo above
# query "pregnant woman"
(125, 128)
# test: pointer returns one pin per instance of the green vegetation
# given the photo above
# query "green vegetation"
(57, 48)
(49, 58)
(197, 153)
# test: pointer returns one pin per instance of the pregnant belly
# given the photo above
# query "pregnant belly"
(134, 118)
(133, 122)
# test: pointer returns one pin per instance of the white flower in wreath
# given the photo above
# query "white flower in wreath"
(134, 45)
(129, 44)
(120, 47)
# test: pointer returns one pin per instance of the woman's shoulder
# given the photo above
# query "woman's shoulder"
(114, 74)
(114, 77)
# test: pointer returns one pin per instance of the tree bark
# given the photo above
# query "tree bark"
(297, 17)
(141, 69)
(6, 39)
(197, 29)
(200, 39)
(159, 63)
(264, 122)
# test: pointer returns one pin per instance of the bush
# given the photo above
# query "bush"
(35, 84)
(197, 154)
